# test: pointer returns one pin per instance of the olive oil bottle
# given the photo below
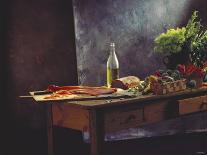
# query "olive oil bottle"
(112, 66)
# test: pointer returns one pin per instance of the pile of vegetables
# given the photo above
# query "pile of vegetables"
(189, 41)
(161, 76)
(186, 49)
(189, 72)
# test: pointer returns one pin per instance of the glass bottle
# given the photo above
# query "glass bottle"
(112, 66)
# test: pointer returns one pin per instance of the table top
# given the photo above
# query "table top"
(101, 103)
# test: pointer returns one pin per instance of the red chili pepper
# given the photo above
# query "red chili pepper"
(158, 74)
(190, 70)
(181, 69)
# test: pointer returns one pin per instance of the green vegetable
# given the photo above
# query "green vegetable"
(175, 76)
(190, 40)
(196, 40)
(171, 41)
(134, 90)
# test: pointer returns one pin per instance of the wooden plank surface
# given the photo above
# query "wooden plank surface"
(70, 117)
(122, 118)
(115, 119)
(122, 101)
(138, 99)
(157, 112)
(78, 97)
(191, 105)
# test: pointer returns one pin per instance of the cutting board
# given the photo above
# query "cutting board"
(81, 97)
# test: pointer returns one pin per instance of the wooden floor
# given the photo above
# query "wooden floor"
(70, 142)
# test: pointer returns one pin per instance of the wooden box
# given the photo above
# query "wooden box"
(168, 87)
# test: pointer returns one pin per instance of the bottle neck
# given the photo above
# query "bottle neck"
(112, 50)
(112, 60)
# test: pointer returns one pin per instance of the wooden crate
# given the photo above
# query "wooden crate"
(168, 87)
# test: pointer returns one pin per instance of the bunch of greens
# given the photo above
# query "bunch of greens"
(191, 40)
(196, 40)
(171, 41)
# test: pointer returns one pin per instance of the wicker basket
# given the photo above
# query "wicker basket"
(168, 87)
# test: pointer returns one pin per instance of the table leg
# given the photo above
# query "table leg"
(49, 129)
(96, 132)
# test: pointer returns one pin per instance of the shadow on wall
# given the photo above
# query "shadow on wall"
(40, 51)
(132, 25)
(5, 110)
(37, 49)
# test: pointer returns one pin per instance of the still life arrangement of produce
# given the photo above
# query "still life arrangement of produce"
(184, 52)
(162, 81)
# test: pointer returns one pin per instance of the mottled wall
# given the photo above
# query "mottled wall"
(132, 25)
(37, 49)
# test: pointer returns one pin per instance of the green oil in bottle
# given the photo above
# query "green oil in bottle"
(112, 74)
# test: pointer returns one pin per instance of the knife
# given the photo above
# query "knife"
(44, 92)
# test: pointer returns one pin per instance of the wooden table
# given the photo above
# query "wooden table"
(105, 116)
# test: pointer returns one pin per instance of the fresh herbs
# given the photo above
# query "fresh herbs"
(190, 40)
(196, 38)
(171, 41)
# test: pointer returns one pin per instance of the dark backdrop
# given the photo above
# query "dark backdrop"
(37, 49)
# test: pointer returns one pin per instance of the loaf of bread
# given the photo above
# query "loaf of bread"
(126, 82)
